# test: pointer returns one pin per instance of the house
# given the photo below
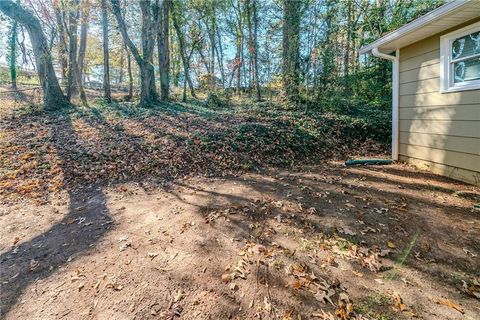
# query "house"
(436, 90)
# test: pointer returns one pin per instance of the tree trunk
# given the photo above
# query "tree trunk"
(253, 44)
(255, 50)
(183, 55)
(328, 55)
(346, 57)
(148, 94)
(248, 9)
(129, 63)
(164, 48)
(72, 50)
(291, 49)
(62, 43)
(147, 72)
(220, 57)
(239, 43)
(130, 76)
(213, 46)
(13, 54)
(85, 9)
(106, 62)
(53, 97)
(121, 74)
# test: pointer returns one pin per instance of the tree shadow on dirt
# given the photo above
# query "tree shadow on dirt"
(88, 218)
(86, 221)
(432, 219)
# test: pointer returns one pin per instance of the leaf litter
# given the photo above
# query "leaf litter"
(259, 259)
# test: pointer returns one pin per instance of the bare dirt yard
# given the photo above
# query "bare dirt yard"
(168, 214)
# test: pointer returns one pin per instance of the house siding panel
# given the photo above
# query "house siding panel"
(438, 132)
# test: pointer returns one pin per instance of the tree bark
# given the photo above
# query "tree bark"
(248, 10)
(53, 97)
(213, 47)
(163, 45)
(62, 43)
(291, 49)
(255, 50)
(346, 57)
(148, 94)
(147, 72)
(72, 50)
(219, 52)
(239, 47)
(183, 54)
(253, 44)
(13, 54)
(121, 74)
(130, 76)
(85, 9)
(106, 63)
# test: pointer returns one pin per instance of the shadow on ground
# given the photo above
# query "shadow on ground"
(87, 220)
(312, 216)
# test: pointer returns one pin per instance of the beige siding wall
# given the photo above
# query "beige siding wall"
(438, 132)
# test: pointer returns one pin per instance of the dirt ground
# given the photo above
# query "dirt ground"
(321, 242)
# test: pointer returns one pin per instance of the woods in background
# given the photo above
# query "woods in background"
(306, 50)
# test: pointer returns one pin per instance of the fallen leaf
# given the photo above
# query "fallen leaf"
(345, 307)
(179, 296)
(324, 315)
(16, 240)
(472, 288)
(324, 296)
(152, 255)
(267, 305)
(450, 304)
(287, 315)
(347, 231)
(97, 285)
(226, 277)
(398, 302)
(469, 253)
(233, 286)
(34, 264)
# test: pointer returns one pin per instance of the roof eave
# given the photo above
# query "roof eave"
(414, 25)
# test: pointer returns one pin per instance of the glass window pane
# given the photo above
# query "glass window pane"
(466, 46)
(466, 70)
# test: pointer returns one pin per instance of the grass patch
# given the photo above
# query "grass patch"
(371, 305)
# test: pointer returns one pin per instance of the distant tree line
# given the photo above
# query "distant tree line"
(305, 49)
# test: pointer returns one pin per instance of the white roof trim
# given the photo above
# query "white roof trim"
(415, 25)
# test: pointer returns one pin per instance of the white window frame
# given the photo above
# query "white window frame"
(447, 83)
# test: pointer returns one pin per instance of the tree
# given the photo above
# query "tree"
(148, 94)
(85, 10)
(328, 51)
(253, 44)
(239, 44)
(163, 44)
(291, 49)
(106, 64)
(130, 75)
(72, 49)
(211, 24)
(182, 48)
(53, 97)
(13, 54)
(62, 37)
